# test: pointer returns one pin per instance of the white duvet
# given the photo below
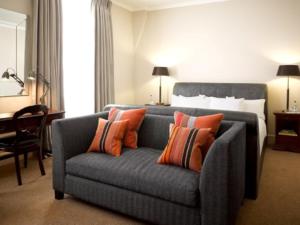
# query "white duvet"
(262, 130)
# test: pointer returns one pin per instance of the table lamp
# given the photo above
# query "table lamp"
(288, 70)
(160, 71)
(32, 76)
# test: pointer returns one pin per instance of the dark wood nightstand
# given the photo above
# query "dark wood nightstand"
(287, 137)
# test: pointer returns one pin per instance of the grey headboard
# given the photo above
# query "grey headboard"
(238, 90)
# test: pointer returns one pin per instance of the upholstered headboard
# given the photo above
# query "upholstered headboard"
(238, 90)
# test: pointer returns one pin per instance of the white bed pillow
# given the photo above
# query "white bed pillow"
(255, 106)
(200, 101)
(176, 100)
(227, 103)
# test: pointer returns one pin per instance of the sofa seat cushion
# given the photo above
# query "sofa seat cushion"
(137, 170)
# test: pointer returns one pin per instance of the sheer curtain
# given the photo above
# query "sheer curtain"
(78, 57)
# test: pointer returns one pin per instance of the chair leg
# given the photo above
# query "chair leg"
(58, 195)
(18, 172)
(41, 162)
(25, 159)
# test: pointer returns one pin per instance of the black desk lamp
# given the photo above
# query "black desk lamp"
(288, 70)
(160, 71)
(14, 75)
(33, 76)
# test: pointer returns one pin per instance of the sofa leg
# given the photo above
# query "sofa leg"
(59, 195)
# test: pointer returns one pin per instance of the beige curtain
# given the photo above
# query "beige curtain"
(104, 59)
(47, 53)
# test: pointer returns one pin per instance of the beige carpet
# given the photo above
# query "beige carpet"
(34, 204)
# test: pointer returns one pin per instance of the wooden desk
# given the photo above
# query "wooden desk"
(6, 120)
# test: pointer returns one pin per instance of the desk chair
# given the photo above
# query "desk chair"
(27, 138)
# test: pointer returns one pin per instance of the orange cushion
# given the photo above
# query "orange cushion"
(135, 118)
(184, 147)
(210, 121)
(108, 137)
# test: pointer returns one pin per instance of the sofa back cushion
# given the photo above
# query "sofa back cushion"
(225, 125)
(154, 132)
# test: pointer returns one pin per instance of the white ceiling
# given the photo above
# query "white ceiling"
(135, 5)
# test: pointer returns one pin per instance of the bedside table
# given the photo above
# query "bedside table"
(287, 137)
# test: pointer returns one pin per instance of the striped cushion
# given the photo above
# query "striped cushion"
(210, 121)
(184, 147)
(108, 137)
(135, 118)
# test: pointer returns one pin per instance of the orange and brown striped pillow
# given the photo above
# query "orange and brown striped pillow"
(108, 137)
(135, 118)
(184, 147)
(210, 121)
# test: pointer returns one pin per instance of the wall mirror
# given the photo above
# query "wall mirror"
(13, 36)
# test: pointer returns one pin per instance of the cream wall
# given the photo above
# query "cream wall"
(12, 104)
(123, 55)
(232, 41)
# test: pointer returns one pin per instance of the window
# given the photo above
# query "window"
(78, 57)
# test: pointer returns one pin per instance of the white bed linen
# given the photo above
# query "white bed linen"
(200, 101)
(262, 130)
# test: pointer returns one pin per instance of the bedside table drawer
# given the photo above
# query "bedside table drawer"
(287, 140)
(287, 117)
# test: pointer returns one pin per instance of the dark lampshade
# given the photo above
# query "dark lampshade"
(160, 71)
(288, 70)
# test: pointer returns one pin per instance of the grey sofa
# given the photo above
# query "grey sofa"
(134, 184)
(254, 159)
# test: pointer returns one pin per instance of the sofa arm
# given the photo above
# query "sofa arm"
(71, 137)
(222, 180)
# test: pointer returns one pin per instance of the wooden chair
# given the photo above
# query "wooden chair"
(27, 138)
